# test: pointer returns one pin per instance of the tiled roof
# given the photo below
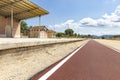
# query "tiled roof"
(39, 28)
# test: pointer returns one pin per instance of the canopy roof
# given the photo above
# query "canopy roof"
(22, 9)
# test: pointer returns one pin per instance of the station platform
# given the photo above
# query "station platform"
(10, 43)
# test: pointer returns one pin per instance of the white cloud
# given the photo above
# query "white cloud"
(69, 22)
(107, 21)
(88, 22)
(113, 17)
(117, 11)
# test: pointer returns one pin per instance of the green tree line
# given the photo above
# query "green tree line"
(67, 33)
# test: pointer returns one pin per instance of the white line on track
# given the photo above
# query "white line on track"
(50, 72)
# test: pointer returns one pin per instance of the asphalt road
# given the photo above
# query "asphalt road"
(93, 61)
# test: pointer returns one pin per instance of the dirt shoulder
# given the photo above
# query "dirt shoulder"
(112, 43)
(24, 64)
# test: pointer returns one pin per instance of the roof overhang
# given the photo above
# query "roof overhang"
(22, 9)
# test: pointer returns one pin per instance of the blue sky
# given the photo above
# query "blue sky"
(97, 17)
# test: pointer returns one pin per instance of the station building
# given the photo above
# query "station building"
(38, 32)
(41, 32)
(13, 11)
(51, 34)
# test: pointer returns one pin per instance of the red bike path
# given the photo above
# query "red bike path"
(93, 61)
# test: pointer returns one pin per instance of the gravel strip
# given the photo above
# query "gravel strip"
(112, 43)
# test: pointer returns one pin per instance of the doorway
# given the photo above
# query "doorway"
(8, 31)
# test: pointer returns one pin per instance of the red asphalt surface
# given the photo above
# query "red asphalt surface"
(94, 61)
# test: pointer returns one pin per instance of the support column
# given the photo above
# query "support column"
(39, 20)
(12, 22)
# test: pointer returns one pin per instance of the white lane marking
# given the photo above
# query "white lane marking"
(49, 73)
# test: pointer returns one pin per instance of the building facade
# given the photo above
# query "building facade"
(41, 32)
(6, 30)
(51, 34)
(38, 32)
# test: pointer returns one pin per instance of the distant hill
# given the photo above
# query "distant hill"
(103, 36)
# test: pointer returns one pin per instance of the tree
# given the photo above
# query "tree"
(30, 27)
(103, 37)
(60, 34)
(75, 35)
(23, 26)
(89, 36)
(69, 32)
(79, 35)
